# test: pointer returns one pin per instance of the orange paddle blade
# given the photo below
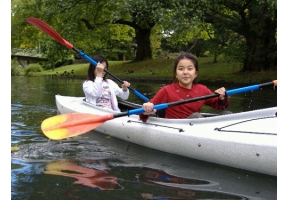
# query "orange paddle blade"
(50, 31)
(73, 124)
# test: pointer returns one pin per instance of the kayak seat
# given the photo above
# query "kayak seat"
(160, 113)
(202, 115)
(195, 115)
(226, 112)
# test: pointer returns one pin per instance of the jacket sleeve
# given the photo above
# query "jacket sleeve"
(93, 89)
(143, 117)
(218, 104)
(119, 91)
(160, 97)
(224, 104)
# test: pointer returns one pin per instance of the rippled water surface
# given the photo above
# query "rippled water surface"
(95, 166)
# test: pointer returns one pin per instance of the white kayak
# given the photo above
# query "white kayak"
(245, 140)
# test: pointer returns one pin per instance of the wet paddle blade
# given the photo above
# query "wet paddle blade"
(50, 31)
(68, 125)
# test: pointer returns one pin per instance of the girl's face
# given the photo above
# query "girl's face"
(185, 73)
(103, 66)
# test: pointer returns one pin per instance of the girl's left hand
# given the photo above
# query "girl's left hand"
(222, 92)
(125, 85)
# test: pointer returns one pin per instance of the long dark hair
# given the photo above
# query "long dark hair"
(183, 56)
(91, 70)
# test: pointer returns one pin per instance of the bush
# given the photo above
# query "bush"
(16, 68)
(33, 68)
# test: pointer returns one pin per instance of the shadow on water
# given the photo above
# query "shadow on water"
(95, 166)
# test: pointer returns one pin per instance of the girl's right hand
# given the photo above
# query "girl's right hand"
(99, 70)
(148, 107)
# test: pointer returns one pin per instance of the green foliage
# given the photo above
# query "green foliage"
(16, 68)
(33, 68)
(112, 27)
(235, 49)
(255, 21)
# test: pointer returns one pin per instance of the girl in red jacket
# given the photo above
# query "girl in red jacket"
(185, 86)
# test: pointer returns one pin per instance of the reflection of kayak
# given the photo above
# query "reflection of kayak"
(192, 174)
(246, 140)
(85, 176)
(191, 185)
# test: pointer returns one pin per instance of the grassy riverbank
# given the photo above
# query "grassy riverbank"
(161, 69)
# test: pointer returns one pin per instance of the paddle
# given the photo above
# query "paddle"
(68, 125)
(50, 31)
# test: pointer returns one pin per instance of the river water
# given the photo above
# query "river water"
(95, 166)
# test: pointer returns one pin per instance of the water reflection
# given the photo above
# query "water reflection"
(94, 178)
(94, 164)
(101, 175)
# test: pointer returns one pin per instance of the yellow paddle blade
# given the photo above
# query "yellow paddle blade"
(14, 149)
(68, 125)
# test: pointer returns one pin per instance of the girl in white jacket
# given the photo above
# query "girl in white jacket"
(101, 91)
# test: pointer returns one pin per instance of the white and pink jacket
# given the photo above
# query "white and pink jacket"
(93, 90)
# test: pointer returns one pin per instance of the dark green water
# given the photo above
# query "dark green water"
(95, 166)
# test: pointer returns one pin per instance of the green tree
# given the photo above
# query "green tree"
(70, 21)
(255, 20)
(97, 16)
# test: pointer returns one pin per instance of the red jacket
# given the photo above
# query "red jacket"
(173, 92)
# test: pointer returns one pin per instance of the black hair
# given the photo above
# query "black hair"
(91, 70)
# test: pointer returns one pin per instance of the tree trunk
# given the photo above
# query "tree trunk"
(261, 54)
(215, 57)
(144, 51)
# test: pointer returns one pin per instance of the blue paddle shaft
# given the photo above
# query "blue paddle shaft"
(244, 89)
(141, 110)
(141, 95)
(82, 54)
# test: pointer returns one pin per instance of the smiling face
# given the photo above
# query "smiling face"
(185, 72)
